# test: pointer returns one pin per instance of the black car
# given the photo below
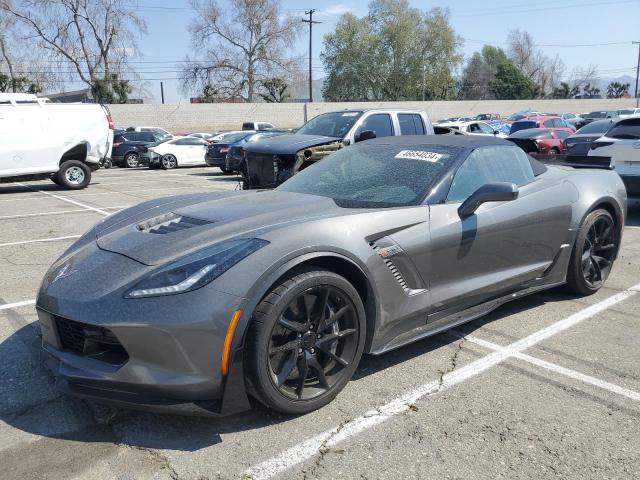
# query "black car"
(127, 147)
(587, 118)
(217, 152)
(235, 156)
(580, 142)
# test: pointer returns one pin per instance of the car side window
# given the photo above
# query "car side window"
(411, 124)
(562, 134)
(494, 163)
(380, 123)
(485, 128)
(182, 141)
(627, 130)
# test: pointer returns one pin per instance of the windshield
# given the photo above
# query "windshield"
(596, 115)
(375, 175)
(335, 124)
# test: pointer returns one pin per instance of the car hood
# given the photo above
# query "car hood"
(165, 234)
(288, 144)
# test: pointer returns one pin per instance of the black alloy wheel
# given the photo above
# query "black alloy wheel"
(598, 251)
(305, 342)
(313, 342)
(593, 254)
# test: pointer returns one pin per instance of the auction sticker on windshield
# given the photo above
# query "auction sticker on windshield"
(419, 155)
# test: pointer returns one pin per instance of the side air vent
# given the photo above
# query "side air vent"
(382, 252)
(170, 223)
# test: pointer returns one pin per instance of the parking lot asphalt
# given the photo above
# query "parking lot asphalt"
(544, 387)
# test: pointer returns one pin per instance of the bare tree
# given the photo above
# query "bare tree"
(546, 72)
(94, 37)
(243, 45)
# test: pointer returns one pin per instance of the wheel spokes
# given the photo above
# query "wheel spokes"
(333, 356)
(335, 317)
(322, 379)
(335, 336)
(286, 368)
(292, 345)
(293, 326)
(303, 369)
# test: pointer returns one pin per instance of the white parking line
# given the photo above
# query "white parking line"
(60, 212)
(68, 200)
(567, 372)
(8, 306)
(112, 192)
(308, 448)
(53, 239)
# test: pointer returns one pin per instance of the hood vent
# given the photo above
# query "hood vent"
(394, 270)
(170, 223)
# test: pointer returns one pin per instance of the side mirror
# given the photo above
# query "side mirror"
(489, 192)
(365, 135)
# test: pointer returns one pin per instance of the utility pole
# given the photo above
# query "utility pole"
(310, 22)
(637, 74)
(162, 92)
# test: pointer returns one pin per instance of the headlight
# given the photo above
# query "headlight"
(196, 270)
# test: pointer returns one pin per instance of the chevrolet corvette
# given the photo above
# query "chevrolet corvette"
(196, 303)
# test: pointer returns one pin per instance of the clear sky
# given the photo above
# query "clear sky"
(550, 22)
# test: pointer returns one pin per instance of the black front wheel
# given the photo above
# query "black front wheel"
(305, 341)
(593, 254)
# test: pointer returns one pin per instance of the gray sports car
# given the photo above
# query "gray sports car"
(193, 303)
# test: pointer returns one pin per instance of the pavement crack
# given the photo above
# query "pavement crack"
(453, 363)
(160, 458)
(323, 450)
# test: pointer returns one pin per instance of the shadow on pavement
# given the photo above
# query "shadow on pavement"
(30, 403)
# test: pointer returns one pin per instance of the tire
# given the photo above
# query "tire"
(593, 253)
(169, 162)
(226, 171)
(554, 151)
(107, 164)
(131, 160)
(73, 175)
(279, 349)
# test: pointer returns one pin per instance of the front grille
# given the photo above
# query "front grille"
(170, 223)
(71, 335)
(90, 341)
(267, 170)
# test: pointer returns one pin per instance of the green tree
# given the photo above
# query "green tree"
(590, 91)
(111, 90)
(396, 52)
(618, 90)
(511, 84)
(275, 90)
(479, 72)
(18, 84)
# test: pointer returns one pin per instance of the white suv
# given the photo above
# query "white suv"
(622, 144)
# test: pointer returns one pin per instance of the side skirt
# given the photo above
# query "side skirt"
(458, 318)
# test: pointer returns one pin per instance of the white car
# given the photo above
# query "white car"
(257, 126)
(177, 152)
(622, 144)
(629, 112)
(474, 128)
(64, 142)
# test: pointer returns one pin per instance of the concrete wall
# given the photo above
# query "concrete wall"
(229, 116)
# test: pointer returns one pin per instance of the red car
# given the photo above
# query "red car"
(543, 121)
(540, 140)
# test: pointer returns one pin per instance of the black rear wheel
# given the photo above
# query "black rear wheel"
(593, 254)
(305, 342)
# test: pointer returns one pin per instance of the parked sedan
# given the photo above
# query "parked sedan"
(587, 118)
(628, 112)
(217, 152)
(474, 128)
(177, 152)
(580, 142)
(540, 140)
(554, 123)
(622, 144)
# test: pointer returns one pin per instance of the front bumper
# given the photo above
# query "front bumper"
(173, 343)
(151, 159)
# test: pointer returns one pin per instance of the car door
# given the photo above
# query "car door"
(503, 246)
(379, 123)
